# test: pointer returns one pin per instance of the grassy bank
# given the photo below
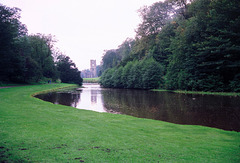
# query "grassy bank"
(90, 80)
(200, 92)
(36, 131)
(9, 85)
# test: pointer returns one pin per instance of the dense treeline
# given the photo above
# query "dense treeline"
(196, 45)
(68, 72)
(144, 74)
(30, 58)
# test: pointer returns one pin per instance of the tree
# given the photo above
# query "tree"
(152, 73)
(33, 59)
(146, 74)
(136, 74)
(222, 44)
(161, 50)
(117, 78)
(10, 29)
(125, 48)
(127, 82)
(154, 18)
(41, 52)
(191, 44)
(110, 59)
(68, 71)
(106, 79)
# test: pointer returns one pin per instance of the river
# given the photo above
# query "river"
(221, 112)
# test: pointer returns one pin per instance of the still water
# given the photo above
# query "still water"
(207, 110)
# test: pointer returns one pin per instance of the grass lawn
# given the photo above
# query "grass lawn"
(32, 130)
(90, 80)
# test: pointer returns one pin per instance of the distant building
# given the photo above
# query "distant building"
(86, 73)
(92, 72)
(93, 68)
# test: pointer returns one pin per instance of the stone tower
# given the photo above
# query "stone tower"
(93, 69)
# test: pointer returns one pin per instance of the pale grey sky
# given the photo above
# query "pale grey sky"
(83, 28)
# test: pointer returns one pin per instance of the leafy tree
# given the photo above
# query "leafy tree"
(106, 78)
(152, 74)
(68, 70)
(154, 18)
(145, 74)
(99, 71)
(33, 72)
(125, 48)
(183, 44)
(136, 75)
(41, 52)
(10, 29)
(110, 59)
(161, 50)
(222, 43)
(126, 75)
(117, 78)
(30, 58)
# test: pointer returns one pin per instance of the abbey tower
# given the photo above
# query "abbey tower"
(93, 68)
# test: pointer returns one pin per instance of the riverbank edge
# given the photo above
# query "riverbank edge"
(123, 139)
(198, 92)
(70, 86)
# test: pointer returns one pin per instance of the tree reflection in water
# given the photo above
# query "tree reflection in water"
(207, 110)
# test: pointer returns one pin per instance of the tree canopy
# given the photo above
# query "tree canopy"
(28, 58)
(195, 42)
(68, 71)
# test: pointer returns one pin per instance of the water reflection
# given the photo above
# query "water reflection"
(94, 96)
(91, 98)
(213, 111)
(63, 98)
(88, 98)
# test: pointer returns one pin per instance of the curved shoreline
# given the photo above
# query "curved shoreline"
(36, 131)
(200, 92)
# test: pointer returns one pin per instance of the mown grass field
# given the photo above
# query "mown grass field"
(32, 130)
(90, 80)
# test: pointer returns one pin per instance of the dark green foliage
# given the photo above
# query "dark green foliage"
(145, 74)
(10, 28)
(194, 45)
(33, 59)
(110, 59)
(24, 58)
(161, 50)
(117, 78)
(197, 44)
(137, 75)
(127, 75)
(107, 77)
(68, 71)
(116, 57)
(152, 74)
(41, 54)
(206, 48)
(154, 18)
(28, 58)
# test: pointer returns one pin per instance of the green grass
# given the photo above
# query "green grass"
(200, 92)
(90, 80)
(6, 85)
(32, 130)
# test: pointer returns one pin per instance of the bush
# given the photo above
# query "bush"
(145, 74)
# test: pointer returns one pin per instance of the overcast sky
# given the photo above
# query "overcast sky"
(83, 28)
